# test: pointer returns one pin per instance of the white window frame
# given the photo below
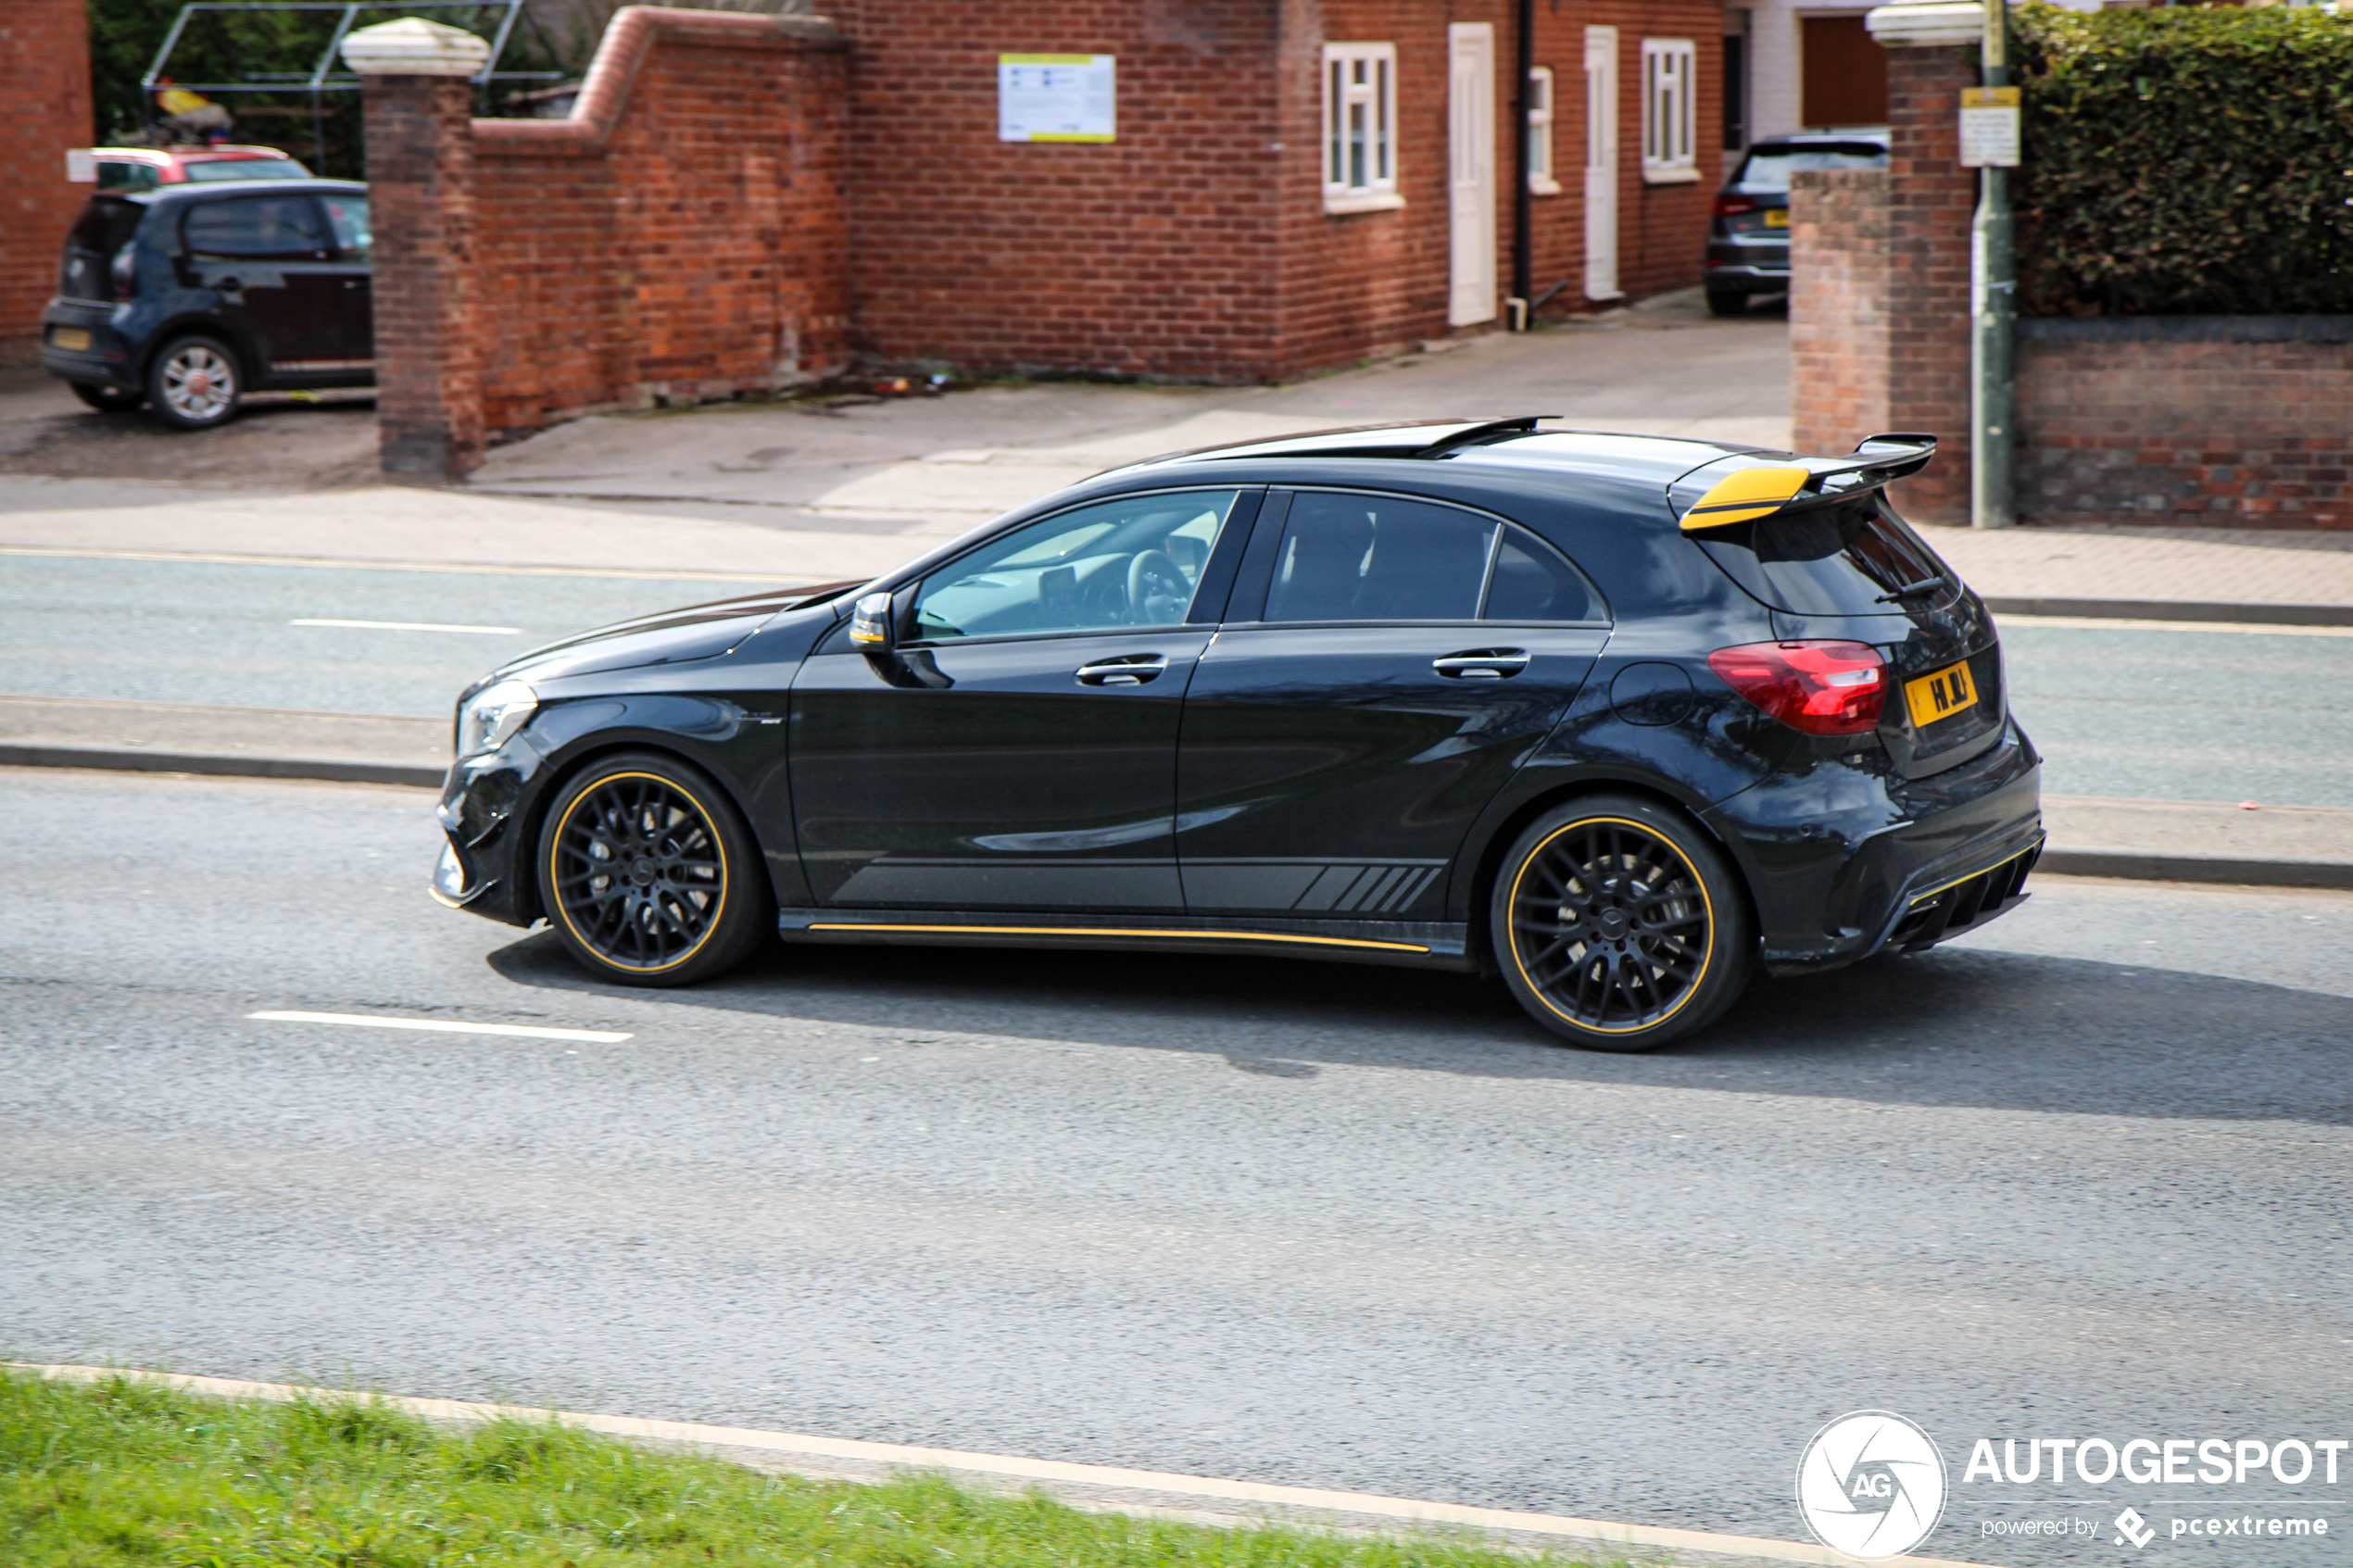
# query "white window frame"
(1542, 111)
(1360, 110)
(1670, 111)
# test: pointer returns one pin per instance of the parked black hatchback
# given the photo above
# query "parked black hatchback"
(186, 297)
(1617, 719)
(1748, 226)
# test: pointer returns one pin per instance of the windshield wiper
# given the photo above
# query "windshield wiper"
(1913, 590)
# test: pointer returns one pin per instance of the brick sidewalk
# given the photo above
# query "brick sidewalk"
(2175, 565)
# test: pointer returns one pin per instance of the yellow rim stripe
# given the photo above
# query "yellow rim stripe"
(1746, 495)
(710, 825)
(1707, 905)
(1104, 931)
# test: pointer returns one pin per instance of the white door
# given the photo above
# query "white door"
(1601, 163)
(1471, 172)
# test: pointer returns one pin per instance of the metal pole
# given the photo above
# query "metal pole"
(1523, 208)
(1992, 315)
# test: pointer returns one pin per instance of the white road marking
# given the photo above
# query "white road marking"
(438, 1026)
(804, 1449)
(414, 626)
(2101, 623)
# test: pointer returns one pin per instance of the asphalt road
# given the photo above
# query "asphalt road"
(2171, 715)
(2082, 1174)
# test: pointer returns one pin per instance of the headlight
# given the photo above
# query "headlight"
(490, 718)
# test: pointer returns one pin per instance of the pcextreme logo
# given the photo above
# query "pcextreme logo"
(1870, 1485)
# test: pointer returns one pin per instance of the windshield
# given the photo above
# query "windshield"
(1843, 559)
(1768, 168)
(246, 169)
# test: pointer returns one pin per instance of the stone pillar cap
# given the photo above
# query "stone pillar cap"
(1920, 24)
(414, 47)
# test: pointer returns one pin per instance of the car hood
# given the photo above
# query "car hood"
(674, 637)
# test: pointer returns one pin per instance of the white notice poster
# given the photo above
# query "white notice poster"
(1989, 127)
(1056, 98)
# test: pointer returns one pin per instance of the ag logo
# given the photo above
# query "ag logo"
(1870, 1485)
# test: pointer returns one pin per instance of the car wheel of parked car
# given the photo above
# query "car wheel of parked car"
(107, 399)
(1619, 926)
(194, 383)
(648, 873)
(1726, 302)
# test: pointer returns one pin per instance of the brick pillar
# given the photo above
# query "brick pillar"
(429, 415)
(44, 100)
(1878, 298)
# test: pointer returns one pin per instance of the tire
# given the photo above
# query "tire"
(196, 383)
(649, 874)
(1726, 302)
(107, 399)
(1594, 917)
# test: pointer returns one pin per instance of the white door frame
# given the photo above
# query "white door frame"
(1470, 172)
(1601, 164)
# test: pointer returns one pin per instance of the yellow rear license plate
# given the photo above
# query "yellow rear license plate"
(1776, 217)
(1941, 696)
(71, 337)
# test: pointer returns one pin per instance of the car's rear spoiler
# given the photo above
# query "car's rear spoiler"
(1749, 493)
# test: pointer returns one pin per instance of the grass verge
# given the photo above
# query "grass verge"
(117, 1474)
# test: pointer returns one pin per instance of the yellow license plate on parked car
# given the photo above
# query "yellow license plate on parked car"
(1940, 695)
(71, 337)
(1776, 217)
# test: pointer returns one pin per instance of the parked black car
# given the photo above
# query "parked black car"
(186, 297)
(1748, 226)
(1617, 718)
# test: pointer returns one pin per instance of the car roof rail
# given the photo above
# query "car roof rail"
(1521, 424)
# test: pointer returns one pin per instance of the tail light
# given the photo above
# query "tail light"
(125, 273)
(1732, 206)
(1823, 688)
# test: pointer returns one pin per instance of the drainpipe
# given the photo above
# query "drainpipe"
(1523, 210)
(1993, 314)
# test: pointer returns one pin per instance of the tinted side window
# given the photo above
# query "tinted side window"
(1532, 583)
(1830, 561)
(348, 216)
(1130, 562)
(251, 228)
(1378, 557)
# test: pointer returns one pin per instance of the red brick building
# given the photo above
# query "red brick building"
(45, 89)
(1287, 185)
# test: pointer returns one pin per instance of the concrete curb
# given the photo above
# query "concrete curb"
(1199, 1498)
(141, 760)
(2177, 609)
(2141, 865)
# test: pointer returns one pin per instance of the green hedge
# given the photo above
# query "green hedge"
(2185, 161)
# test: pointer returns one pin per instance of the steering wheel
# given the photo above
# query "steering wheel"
(1158, 590)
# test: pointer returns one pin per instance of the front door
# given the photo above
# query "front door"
(1017, 751)
(1601, 163)
(1471, 164)
(1339, 744)
(270, 263)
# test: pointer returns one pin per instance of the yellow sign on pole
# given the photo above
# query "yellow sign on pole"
(1989, 127)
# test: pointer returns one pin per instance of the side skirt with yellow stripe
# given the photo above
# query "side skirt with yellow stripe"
(1420, 943)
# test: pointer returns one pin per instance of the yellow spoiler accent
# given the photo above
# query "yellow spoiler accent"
(1751, 493)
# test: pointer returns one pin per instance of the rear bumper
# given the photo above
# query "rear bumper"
(108, 361)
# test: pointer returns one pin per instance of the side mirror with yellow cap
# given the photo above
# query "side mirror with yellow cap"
(873, 626)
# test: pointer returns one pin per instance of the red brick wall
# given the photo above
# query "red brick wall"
(45, 102)
(682, 237)
(1196, 246)
(2215, 433)
(1884, 344)
(429, 319)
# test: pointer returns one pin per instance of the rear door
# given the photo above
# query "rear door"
(353, 240)
(1387, 665)
(268, 262)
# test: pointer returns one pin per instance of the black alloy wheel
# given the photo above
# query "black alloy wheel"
(1618, 926)
(1726, 302)
(649, 874)
(107, 399)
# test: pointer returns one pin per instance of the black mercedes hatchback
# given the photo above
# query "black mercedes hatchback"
(187, 297)
(1619, 720)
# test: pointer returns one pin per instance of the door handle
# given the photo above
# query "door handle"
(1482, 664)
(1130, 670)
